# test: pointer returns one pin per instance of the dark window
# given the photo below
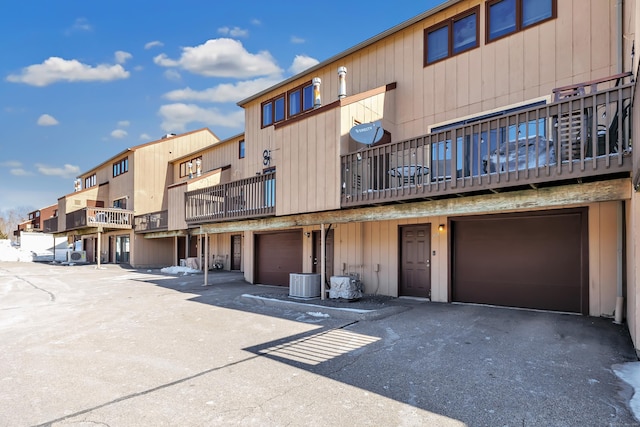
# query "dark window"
(120, 203)
(241, 149)
(121, 167)
(279, 109)
(506, 17)
(451, 37)
(273, 111)
(90, 181)
(300, 99)
(267, 114)
(296, 101)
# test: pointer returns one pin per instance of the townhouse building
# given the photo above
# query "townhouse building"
(35, 219)
(480, 152)
(98, 217)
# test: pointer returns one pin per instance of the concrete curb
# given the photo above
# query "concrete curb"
(335, 312)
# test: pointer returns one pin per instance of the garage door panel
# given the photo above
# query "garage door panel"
(278, 255)
(536, 261)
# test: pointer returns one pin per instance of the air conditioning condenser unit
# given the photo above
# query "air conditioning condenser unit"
(304, 285)
(77, 256)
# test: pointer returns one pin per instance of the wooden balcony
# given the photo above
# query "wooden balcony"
(586, 136)
(105, 218)
(147, 223)
(50, 225)
(247, 198)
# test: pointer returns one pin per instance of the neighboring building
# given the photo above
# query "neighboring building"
(98, 216)
(479, 152)
(35, 219)
(214, 165)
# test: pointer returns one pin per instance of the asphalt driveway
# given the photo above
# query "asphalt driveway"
(83, 346)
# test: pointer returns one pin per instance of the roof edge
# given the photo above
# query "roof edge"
(354, 49)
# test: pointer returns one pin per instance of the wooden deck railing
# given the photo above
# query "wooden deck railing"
(50, 225)
(99, 217)
(156, 221)
(583, 136)
(247, 198)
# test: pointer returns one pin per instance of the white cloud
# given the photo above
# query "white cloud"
(11, 164)
(301, 63)
(67, 171)
(255, 21)
(19, 172)
(47, 120)
(222, 58)
(177, 116)
(57, 69)
(153, 44)
(173, 75)
(81, 24)
(124, 123)
(227, 92)
(145, 137)
(119, 134)
(297, 40)
(122, 56)
(233, 32)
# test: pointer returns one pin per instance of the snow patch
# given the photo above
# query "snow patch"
(179, 270)
(317, 314)
(11, 253)
(630, 373)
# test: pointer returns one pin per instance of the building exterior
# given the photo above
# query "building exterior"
(479, 152)
(99, 215)
(35, 219)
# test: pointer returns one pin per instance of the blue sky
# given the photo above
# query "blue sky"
(82, 80)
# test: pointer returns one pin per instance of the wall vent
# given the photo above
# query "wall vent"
(304, 285)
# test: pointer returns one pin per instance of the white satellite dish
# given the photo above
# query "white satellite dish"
(367, 133)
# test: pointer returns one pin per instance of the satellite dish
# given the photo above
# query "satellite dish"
(367, 133)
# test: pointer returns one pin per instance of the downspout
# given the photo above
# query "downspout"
(619, 37)
(619, 266)
(620, 216)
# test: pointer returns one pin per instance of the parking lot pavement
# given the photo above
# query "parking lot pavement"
(84, 346)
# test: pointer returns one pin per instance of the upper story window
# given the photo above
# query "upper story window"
(241, 149)
(294, 102)
(506, 17)
(121, 167)
(90, 181)
(451, 37)
(273, 111)
(120, 203)
(300, 99)
(188, 168)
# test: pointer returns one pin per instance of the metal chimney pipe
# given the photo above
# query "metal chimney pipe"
(317, 100)
(342, 82)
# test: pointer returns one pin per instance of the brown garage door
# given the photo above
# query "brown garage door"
(278, 255)
(535, 260)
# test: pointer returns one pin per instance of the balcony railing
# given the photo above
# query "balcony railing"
(587, 135)
(247, 198)
(156, 221)
(50, 225)
(99, 217)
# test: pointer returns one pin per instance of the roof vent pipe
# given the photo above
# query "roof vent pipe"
(317, 100)
(342, 82)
